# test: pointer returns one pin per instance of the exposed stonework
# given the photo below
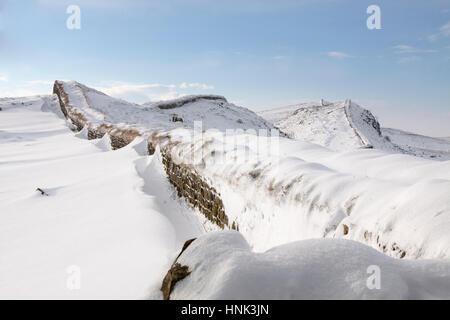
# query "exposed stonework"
(77, 119)
(176, 273)
(187, 181)
(190, 185)
(172, 104)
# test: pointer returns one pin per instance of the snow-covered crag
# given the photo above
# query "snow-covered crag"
(344, 126)
(338, 126)
(96, 108)
(99, 115)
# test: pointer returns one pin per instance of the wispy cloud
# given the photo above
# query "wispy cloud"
(202, 86)
(142, 92)
(27, 88)
(444, 31)
(40, 82)
(3, 78)
(339, 55)
(402, 48)
(409, 59)
(138, 92)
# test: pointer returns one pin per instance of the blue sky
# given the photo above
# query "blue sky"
(259, 54)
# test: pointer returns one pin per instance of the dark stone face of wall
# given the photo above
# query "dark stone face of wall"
(77, 119)
(196, 191)
(188, 183)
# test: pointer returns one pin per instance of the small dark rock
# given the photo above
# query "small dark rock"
(42, 192)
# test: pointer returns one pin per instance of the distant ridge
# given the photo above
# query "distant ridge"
(344, 125)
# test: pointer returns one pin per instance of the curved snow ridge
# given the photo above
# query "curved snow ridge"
(303, 191)
(349, 115)
(223, 266)
(367, 127)
(95, 217)
(79, 100)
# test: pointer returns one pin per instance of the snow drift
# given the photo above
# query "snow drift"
(295, 190)
(112, 216)
(223, 266)
(277, 190)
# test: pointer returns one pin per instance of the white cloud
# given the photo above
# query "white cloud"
(444, 31)
(3, 78)
(402, 48)
(135, 92)
(202, 86)
(40, 82)
(138, 92)
(142, 92)
(27, 88)
(339, 55)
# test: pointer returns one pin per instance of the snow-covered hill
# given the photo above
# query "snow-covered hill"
(214, 112)
(344, 126)
(279, 190)
(423, 146)
(338, 126)
(114, 212)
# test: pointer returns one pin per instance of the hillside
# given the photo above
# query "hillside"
(111, 214)
(423, 146)
(214, 112)
(296, 204)
(344, 126)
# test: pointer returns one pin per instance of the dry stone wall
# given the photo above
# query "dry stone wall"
(188, 183)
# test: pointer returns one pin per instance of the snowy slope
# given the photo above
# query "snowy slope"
(213, 111)
(343, 126)
(290, 190)
(279, 190)
(427, 147)
(278, 114)
(112, 214)
(339, 126)
(223, 266)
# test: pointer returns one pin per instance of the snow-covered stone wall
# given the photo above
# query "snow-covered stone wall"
(185, 179)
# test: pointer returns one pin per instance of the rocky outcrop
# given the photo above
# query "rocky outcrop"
(176, 273)
(176, 103)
